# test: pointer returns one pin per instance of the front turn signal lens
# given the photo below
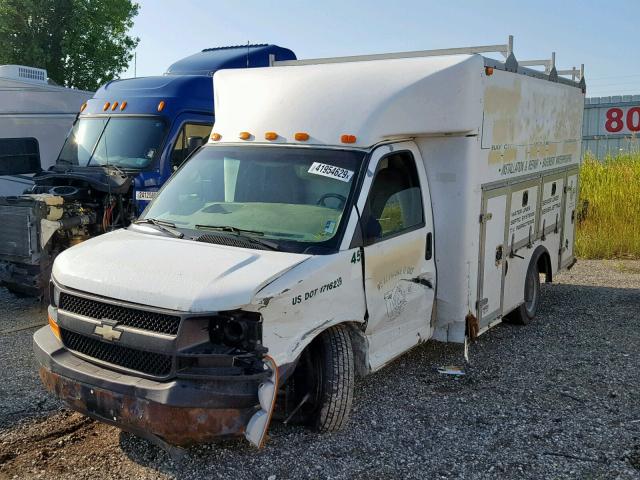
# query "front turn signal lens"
(488, 71)
(83, 107)
(216, 137)
(348, 139)
(161, 105)
(301, 136)
(270, 136)
(55, 328)
(244, 136)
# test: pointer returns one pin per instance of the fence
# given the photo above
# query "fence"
(611, 125)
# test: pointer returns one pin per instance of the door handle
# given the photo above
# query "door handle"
(428, 254)
(422, 281)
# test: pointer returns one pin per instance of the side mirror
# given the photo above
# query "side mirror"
(194, 143)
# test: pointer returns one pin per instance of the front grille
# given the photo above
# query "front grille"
(154, 364)
(131, 317)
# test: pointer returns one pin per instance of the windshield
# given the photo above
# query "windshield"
(281, 193)
(126, 142)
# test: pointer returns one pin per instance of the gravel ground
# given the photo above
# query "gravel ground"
(559, 398)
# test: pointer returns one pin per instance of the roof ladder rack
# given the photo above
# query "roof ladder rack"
(505, 49)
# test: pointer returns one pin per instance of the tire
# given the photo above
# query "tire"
(335, 380)
(320, 391)
(526, 312)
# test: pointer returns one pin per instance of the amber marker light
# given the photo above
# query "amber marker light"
(348, 139)
(301, 136)
(216, 137)
(106, 106)
(270, 136)
(83, 107)
(114, 106)
(488, 70)
(244, 136)
(161, 105)
(55, 328)
(123, 105)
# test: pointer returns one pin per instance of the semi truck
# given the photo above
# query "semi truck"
(125, 143)
(342, 212)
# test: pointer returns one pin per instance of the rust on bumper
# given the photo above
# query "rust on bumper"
(179, 426)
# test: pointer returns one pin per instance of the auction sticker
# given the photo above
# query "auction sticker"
(330, 171)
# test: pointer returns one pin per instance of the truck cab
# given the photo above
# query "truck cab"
(125, 143)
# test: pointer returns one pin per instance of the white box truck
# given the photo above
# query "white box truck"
(343, 212)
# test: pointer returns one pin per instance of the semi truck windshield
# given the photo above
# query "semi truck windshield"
(126, 142)
(280, 193)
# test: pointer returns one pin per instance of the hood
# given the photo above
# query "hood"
(168, 272)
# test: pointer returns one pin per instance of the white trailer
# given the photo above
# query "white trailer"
(35, 118)
(344, 211)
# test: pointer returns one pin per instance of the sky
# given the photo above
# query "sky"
(603, 35)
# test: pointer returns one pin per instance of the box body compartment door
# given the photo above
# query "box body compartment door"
(492, 255)
(569, 221)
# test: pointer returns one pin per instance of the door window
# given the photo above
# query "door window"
(181, 148)
(394, 205)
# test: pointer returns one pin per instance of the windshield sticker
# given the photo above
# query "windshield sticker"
(331, 171)
(147, 196)
(329, 227)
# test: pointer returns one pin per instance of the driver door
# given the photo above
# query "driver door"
(399, 265)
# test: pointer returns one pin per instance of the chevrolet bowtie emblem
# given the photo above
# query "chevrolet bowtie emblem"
(107, 332)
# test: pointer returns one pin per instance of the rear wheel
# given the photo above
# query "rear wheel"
(527, 311)
(320, 391)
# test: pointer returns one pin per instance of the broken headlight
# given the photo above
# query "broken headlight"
(242, 330)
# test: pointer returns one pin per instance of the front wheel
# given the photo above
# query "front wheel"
(527, 310)
(321, 389)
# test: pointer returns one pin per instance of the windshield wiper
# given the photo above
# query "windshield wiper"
(241, 232)
(167, 227)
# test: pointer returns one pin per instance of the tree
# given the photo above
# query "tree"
(81, 43)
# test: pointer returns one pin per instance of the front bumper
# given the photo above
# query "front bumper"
(180, 412)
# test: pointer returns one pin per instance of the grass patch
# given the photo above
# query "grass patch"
(609, 207)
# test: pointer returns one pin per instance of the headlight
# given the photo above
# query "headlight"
(237, 329)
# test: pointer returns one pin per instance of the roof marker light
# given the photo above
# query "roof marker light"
(106, 106)
(161, 105)
(301, 136)
(488, 71)
(83, 107)
(216, 137)
(348, 139)
(270, 136)
(123, 105)
(244, 136)
(114, 106)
